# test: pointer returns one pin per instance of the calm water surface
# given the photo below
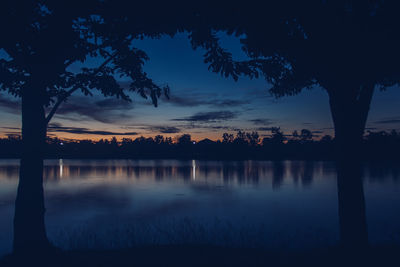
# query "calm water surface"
(117, 203)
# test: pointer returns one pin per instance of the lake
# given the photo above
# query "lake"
(120, 203)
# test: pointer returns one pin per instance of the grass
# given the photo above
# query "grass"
(188, 242)
(188, 231)
(189, 255)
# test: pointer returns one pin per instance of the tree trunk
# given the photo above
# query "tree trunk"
(349, 109)
(29, 225)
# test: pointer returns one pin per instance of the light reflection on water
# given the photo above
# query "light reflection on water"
(292, 203)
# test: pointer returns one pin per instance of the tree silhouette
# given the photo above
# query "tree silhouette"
(349, 48)
(227, 138)
(253, 138)
(46, 39)
(53, 49)
(306, 135)
(184, 140)
(277, 136)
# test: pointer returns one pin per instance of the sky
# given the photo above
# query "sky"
(202, 104)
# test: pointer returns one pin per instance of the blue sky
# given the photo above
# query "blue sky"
(202, 103)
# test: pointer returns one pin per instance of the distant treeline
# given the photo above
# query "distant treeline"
(242, 145)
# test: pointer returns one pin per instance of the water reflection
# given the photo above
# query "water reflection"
(241, 172)
(289, 200)
(61, 168)
(194, 170)
(352, 214)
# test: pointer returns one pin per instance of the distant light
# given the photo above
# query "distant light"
(194, 142)
(62, 143)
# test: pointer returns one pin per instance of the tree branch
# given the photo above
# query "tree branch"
(71, 91)
(364, 102)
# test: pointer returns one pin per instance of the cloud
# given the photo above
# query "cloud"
(105, 110)
(10, 105)
(13, 135)
(212, 128)
(266, 129)
(11, 128)
(11, 131)
(262, 121)
(230, 103)
(56, 127)
(187, 102)
(192, 99)
(113, 103)
(212, 116)
(164, 129)
(388, 121)
(154, 129)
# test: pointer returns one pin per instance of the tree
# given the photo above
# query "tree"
(253, 138)
(277, 136)
(48, 37)
(159, 139)
(326, 139)
(306, 135)
(184, 140)
(227, 138)
(347, 47)
(295, 135)
(42, 40)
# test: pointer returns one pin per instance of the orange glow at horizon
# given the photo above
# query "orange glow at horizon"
(69, 136)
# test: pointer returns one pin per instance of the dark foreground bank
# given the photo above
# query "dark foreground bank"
(210, 256)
